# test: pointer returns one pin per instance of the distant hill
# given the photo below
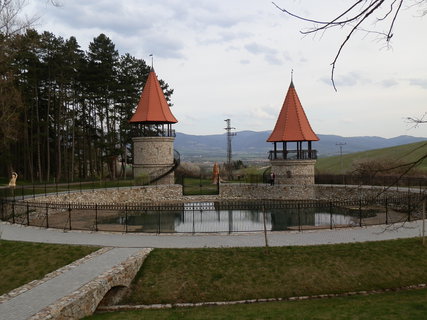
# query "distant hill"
(403, 154)
(248, 145)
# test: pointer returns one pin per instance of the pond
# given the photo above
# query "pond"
(207, 217)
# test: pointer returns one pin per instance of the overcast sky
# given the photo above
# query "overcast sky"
(233, 59)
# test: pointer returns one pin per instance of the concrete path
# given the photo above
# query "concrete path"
(32, 301)
(326, 236)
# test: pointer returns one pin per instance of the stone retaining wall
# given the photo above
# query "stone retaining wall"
(227, 191)
(262, 191)
(147, 194)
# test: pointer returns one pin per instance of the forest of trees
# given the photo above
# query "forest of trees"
(64, 112)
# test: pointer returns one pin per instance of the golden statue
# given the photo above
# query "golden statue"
(12, 182)
(215, 174)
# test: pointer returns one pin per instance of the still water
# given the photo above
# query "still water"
(205, 218)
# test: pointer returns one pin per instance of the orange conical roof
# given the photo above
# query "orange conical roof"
(152, 106)
(292, 124)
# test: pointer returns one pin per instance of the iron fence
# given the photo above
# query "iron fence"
(222, 217)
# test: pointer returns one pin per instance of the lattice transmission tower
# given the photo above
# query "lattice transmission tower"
(229, 151)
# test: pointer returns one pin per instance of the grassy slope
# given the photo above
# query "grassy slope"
(194, 275)
(409, 305)
(22, 262)
(405, 153)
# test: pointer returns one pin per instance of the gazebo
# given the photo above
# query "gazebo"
(293, 166)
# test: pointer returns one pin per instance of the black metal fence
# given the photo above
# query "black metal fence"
(372, 180)
(205, 217)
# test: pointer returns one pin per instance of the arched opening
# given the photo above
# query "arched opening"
(113, 296)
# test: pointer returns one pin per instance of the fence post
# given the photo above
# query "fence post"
(13, 212)
(360, 212)
(330, 211)
(47, 216)
(28, 215)
(126, 218)
(69, 215)
(386, 210)
(158, 220)
(409, 207)
(96, 217)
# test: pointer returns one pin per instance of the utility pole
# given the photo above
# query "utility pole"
(229, 153)
(341, 144)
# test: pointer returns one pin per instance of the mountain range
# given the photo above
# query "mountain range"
(252, 145)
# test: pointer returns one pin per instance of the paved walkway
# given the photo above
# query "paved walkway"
(34, 300)
(286, 238)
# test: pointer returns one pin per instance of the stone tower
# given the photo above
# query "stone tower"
(292, 166)
(154, 158)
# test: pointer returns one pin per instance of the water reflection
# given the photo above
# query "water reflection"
(206, 218)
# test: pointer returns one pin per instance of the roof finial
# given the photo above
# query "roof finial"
(152, 58)
(292, 79)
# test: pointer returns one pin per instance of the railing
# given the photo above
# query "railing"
(145, 130)
(228, 216)
(292, 154)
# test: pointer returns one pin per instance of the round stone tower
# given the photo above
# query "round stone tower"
(292, 166)
(154, 159)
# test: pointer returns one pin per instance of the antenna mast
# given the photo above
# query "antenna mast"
(229, 153)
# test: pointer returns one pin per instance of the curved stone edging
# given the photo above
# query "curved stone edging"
(224, 303)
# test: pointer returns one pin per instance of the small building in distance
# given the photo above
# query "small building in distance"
(292, 165)
(154, 158)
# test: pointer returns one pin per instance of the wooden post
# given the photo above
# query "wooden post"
(265, 231)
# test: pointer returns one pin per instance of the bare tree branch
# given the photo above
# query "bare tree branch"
(356, 16)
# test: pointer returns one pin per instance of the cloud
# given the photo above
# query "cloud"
(223, 37)
(256, 48)
(270, 54)
(389, 83)
(263, 113)
(348, 80)
(418, 82)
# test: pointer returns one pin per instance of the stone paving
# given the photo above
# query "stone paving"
(31, 301)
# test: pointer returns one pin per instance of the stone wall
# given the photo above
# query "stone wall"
(227, 191)
(153, 156)
(145, 194)
(263, 191)
(293, 172)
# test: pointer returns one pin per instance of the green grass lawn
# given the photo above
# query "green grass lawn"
(407, 305)
(22, 262)
(197, 186)
(404, 154)
(194, 275)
